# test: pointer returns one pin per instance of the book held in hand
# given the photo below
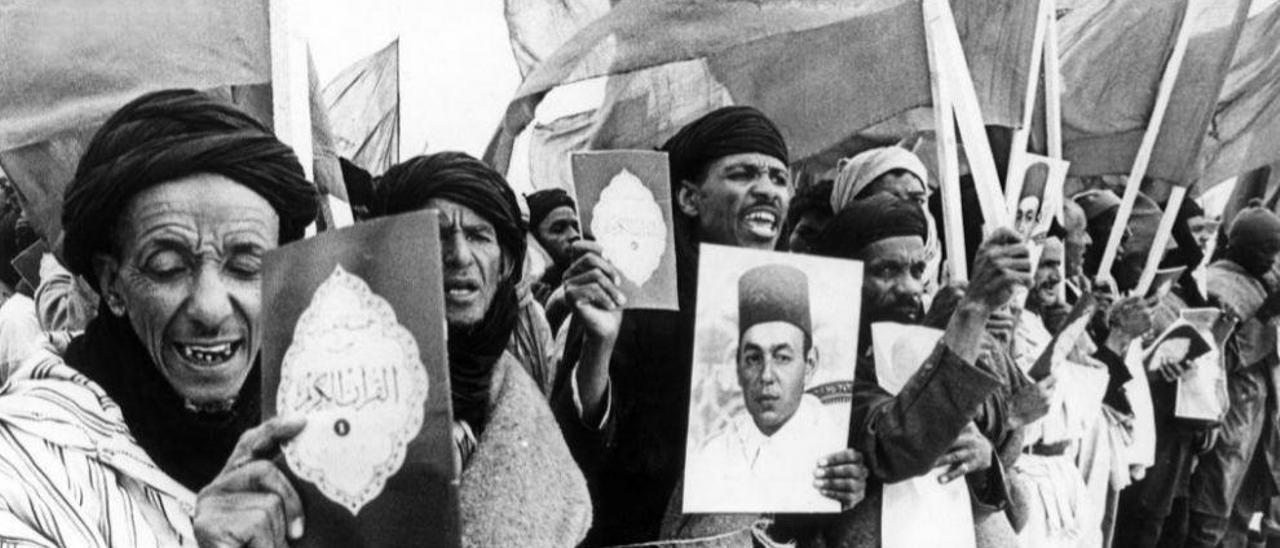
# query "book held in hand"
(355, 342)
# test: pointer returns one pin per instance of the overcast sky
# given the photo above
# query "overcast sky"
(457, 69)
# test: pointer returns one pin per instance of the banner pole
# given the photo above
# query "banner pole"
(1143, 158)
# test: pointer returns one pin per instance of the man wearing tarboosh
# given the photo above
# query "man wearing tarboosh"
(759, 459)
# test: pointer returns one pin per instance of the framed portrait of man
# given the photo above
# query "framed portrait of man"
(774, 352)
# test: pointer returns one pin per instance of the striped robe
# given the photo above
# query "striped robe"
(70, 472)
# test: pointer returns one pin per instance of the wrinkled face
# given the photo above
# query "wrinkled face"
(893, 280)
(1204, 229)
(902, 185)
(186, 272)
(473, 262)
(1049, 273)
(807, 229)
(557, 232)
(772, 369)
(1028, 215)
(1077, 241)
(741, 202)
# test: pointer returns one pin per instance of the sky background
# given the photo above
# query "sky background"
(456, 64)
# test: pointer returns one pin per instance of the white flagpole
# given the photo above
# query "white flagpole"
(1143, 158)
(947, 150)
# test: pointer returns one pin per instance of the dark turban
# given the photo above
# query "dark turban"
(466, 181)
(168, 135)
(722, 132)
(1254, 238)
(543, 202)
(773, 293)
(868, 221)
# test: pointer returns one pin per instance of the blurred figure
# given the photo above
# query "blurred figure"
(809, 214)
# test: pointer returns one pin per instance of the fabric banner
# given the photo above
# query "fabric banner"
(69, 63)
(539, 27)
(363, 104)
(817, 68)
(1246, 124)
(1114, 54)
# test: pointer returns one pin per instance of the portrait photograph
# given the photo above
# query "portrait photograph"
(774, 352)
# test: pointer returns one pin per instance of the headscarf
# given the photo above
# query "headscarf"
(865, 222)
(168, 135)
(773, 293)
(157, 138)
(857, 173)
(466, 181)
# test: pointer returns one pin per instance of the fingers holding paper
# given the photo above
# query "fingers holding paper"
(251, 502)
(842, 477)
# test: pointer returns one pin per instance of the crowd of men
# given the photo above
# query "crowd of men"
(129, 406)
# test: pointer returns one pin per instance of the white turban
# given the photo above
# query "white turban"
(856, 173)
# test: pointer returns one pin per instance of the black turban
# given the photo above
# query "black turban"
(168, 135)
(466, 181)
(773, 293)
(1254, 238)
(865, 222)
(722, 132)
(543, 202)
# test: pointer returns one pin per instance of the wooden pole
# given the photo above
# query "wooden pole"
(1013, 185)
(1145, 150)
(291, 89)
(941, 25)
(948, 153)
(1052, 83)
(1176, 195)
(290, 83)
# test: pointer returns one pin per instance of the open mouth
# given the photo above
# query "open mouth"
(761, 222)
(207, 355)
(461, 289)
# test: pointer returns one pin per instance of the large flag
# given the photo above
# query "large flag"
(1245, 131)
(824, 71)
(539, 27)
(1114, 54)
(69, 63)
(363, 104)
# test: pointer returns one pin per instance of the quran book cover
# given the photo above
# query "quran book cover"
(354, 340)
(624, 204)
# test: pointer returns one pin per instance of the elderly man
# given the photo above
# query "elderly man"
(173, 205)
(731, 186)
(510, 447)
(762, 459)
(1244, 285)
